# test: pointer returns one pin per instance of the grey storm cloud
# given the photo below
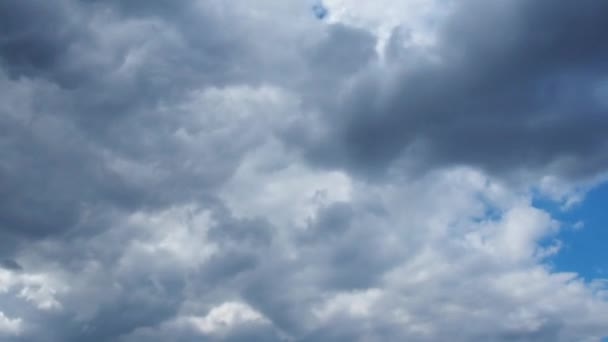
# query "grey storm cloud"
(213, 171)
(512, 86)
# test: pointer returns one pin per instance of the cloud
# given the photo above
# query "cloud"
(9, 326)
(510, 92)
(10, 264)
(213, 171)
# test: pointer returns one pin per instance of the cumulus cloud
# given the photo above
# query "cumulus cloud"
(214, 171)
(9, 326)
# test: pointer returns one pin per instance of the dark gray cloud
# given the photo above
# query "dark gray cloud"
(160, 179)
(63, 147)
(10, 264)
(508, 87)
(37, 37)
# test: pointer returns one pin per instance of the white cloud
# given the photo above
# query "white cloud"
(39, 289)
(178, 236)
(10, 326)
(356, 304)
(227, 316)
(418, 17)
(271, 183)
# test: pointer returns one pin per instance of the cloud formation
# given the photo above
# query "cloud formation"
(214, 171)
(515, 90)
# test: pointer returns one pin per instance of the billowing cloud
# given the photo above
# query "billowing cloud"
(214, 171)
(505, 87)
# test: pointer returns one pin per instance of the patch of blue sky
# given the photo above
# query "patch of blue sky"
(584, 234)
(490, 213)
(319, 10)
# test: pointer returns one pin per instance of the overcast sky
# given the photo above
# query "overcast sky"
(292, 170)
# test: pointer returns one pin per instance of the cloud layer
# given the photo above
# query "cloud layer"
(213, 171)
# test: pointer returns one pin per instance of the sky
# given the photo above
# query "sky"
(297, 170)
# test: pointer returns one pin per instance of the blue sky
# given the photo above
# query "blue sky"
(319, 10)
(584, 250)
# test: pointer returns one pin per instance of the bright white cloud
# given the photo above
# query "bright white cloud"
(227, 316)
(10, 326)
(271, 183)
(39, 289)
